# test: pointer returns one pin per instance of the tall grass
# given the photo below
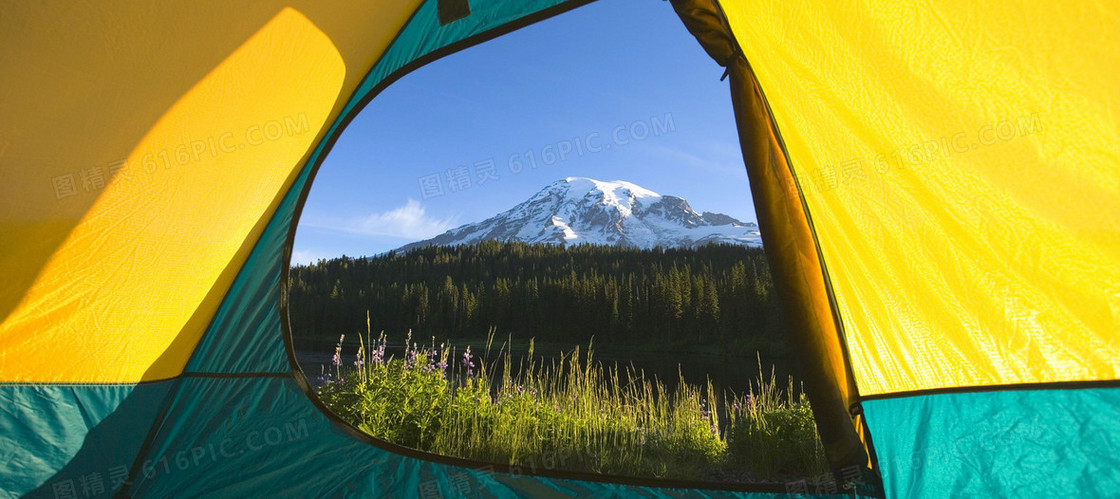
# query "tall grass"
(773, 432)
(572, 413)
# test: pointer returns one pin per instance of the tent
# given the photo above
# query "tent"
(937, 187)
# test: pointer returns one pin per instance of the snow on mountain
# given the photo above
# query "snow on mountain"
(580, 210)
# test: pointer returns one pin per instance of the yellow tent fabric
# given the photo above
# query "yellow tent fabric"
(960, 164)
(942, 181)
(954, 168)
(136, 186)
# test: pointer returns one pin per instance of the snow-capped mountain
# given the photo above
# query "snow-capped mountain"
(580, 210)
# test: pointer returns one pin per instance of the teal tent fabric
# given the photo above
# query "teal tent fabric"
(242, 421)
(78, 439)
(1060, 442)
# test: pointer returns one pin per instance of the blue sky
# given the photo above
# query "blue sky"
(615, 90)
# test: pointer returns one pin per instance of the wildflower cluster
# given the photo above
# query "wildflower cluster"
(377, 356)
(594, 418)
(325, 377)
(401, 400)
(436, 362)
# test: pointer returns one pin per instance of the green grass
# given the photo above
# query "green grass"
(773, 434)
(575, 414)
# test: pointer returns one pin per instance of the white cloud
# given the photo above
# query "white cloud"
(305, 257)
(406, 222)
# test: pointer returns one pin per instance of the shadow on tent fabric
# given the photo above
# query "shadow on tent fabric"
(42, 224)
(111, 444)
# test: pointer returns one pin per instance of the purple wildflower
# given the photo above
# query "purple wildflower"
(410, 361)
(467, 362)
(361, 358)
(433, 361)
(337, 359)
(324, 376)
(376, 357)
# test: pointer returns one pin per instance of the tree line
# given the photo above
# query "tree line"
(713, 293)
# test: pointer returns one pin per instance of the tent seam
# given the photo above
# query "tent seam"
(1045, 385)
